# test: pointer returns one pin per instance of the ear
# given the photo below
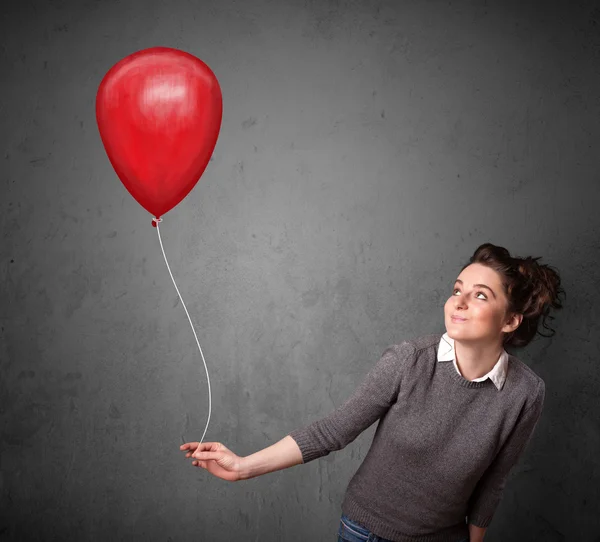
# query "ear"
(513, 323)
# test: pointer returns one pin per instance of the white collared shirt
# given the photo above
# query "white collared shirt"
(498, 373)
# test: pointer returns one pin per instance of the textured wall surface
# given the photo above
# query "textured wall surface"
(367, 148)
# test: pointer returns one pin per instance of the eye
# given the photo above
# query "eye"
(478, 292)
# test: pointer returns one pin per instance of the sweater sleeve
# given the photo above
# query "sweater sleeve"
(490, 487)
(371, 399)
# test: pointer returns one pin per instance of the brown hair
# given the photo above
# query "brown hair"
(532, 290)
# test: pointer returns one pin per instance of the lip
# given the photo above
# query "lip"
(458, 319)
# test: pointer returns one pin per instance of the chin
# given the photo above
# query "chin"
(455, 333)
(452, 334)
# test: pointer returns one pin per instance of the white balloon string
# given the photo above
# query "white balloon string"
(156, 221)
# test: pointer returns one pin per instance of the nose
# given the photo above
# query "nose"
(459, 303)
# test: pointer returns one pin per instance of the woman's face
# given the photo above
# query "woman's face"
(483, 308)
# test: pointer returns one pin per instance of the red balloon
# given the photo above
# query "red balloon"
(159, 114)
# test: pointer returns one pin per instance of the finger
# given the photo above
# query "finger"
(195, 445)
(207, 455)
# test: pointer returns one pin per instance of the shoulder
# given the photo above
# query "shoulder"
(530, 384)
(423, 342)
(415, 347)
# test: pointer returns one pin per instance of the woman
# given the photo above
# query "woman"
(456, 412)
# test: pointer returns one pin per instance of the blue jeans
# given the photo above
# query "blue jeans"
(350, 531)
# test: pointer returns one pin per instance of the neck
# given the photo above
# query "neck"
(476, 360)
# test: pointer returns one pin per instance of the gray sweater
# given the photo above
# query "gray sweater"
(443, 448)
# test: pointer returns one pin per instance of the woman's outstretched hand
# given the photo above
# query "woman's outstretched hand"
(216, 458)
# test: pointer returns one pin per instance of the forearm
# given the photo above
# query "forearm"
(281, 455)
(476, 533)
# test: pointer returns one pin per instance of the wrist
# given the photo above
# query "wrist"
(476, 534)
(243, 470)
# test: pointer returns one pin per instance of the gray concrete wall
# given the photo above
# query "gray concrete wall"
(367, 148)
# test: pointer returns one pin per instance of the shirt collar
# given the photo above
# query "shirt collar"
(498, 373)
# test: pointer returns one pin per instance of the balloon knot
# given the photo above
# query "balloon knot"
(155, 221)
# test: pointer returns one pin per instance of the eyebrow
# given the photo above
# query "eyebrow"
(480, 285)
